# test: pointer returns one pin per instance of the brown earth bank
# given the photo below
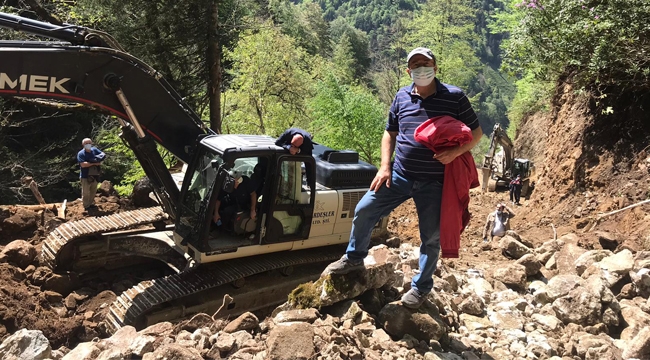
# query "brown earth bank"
(588, 163)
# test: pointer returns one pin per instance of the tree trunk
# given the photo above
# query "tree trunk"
(214, 67)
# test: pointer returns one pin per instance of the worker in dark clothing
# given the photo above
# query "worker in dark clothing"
(515, 190)
(242, 198)
(296, 141)
(258, 177)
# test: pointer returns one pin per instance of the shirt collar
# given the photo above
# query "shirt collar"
(410, 88)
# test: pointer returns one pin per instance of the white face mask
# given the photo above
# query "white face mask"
(88, 146)
(423, 76)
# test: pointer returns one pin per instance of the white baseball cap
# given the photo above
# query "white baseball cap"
(420, 51)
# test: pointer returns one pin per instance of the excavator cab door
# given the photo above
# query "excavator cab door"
(292, 194)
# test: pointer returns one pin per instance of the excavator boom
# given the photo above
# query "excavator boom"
(107, 79)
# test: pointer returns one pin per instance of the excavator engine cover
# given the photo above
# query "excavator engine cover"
(342, 169)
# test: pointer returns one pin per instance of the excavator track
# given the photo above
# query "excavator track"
(133, 305)
(84, 246)
(74, 232)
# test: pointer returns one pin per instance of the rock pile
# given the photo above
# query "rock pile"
(556, 301)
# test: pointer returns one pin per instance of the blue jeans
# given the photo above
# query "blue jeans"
(427, 196)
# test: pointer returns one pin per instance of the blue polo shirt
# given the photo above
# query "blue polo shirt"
(412, 159)
(93, 156)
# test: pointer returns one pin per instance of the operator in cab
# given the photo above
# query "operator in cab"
(242, 198)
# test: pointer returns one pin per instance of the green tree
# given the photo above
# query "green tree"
(271, 79)
(305, 23)
(600, 43)
(447, 28)
(348, 117)
(183, 40)
(344, 61)
(359, 42)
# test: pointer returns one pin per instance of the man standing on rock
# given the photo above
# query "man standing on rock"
(89, 158)
(416, 173)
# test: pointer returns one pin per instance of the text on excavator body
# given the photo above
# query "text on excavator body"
(33, 83)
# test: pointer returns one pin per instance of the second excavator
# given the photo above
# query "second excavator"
(499, 168)
(299, 222)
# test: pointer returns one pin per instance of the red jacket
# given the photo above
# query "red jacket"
(439, 134)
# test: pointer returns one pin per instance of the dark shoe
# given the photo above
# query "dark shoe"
(342, 266)
(413, 299)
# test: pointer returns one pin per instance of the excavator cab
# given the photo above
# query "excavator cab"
(274, 182)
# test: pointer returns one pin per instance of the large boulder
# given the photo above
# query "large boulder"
(293, 341)
(635, 318)
(639, 346)
(174, 352)
(246, 321)
(422, 324)
(530, 262)
(83, 351)
(140, 195)
(378, 272)
(61, 283)
(480, 287)
(561, 285)
(589, 258)
(617, 266)
(513, 275)
(18, 252)
(26, 345)
(578, 307)
(566, 257)
(21, 220)
(595, 347)
(513, 247)
(106, 188)
(473, 305)
(297, 315)
(641, 281)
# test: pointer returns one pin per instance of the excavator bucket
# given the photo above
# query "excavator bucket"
(485, 178)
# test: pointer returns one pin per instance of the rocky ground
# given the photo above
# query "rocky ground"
(579, 296)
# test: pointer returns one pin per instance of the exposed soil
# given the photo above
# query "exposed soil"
(65, 319)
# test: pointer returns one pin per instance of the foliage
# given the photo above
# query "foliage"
(270, 83)
(172, 36)
(532, 96)
(359, 45)
(479, 151)
(348, 117)
(120, 163)
(303, 22)
(493, 97)
(42, 143)
(448, 30)
(601, 42)
(371, 16)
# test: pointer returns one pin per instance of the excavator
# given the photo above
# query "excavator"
(255, 261)
(499, 168)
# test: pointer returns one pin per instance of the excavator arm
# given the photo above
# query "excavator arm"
(89, 67)
(499, 137)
